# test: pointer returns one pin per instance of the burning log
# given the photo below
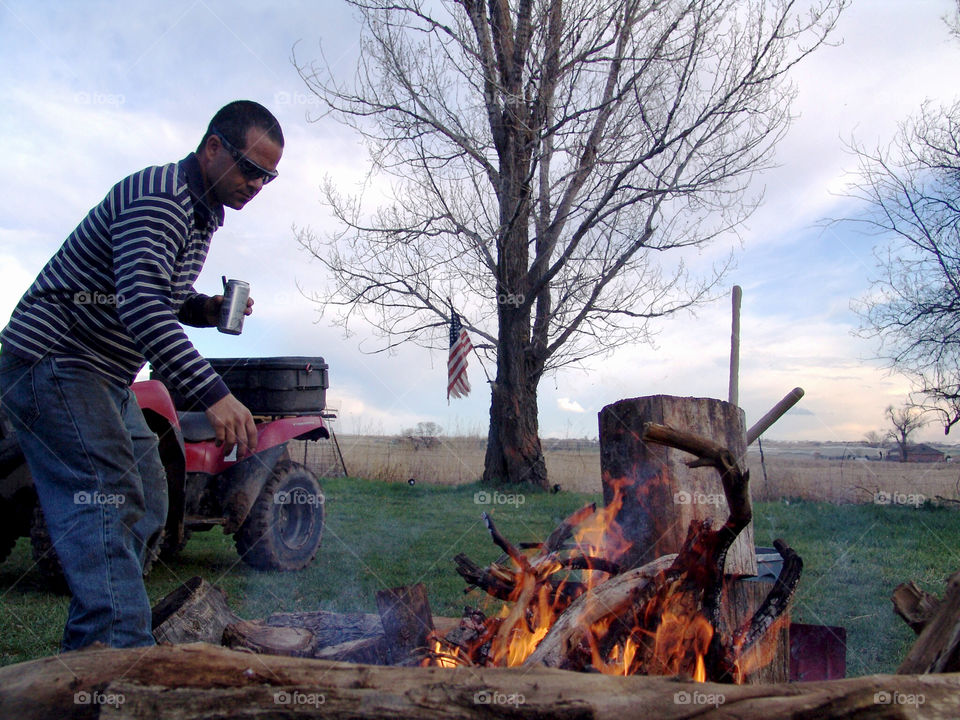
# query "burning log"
(665, 617)
(202, 682)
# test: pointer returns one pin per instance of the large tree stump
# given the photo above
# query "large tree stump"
(661, 494)
(204, 682)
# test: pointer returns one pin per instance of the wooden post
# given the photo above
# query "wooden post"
(660, 494)
(736, 297)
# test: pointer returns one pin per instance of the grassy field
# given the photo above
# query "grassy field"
(382, 534)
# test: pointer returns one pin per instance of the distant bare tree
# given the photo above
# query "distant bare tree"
(905, 421)
(874, 439)
(544, 156)
(425, 434)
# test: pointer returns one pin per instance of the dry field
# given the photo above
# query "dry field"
(850, 480)
(575, 466)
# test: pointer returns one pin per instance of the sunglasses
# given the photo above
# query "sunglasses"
(247, 167)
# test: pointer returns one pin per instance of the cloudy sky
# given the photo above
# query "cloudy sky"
(93, 91)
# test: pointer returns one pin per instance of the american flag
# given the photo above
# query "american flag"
(460, 347)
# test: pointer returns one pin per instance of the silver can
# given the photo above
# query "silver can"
(235, 294)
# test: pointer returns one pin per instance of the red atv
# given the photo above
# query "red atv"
(273, 506)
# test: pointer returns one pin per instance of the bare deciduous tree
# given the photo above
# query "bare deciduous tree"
(912, 192)
(544, 156)
(905, 421)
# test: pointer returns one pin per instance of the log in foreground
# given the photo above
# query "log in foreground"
(200, 682)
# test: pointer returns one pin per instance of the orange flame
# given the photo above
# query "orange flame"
(601, 536)
(673, 637)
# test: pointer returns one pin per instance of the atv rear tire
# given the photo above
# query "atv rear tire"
(285, 524)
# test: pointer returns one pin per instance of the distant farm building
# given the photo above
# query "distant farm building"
(920, 453)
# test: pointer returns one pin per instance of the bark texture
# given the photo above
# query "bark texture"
(205, 682)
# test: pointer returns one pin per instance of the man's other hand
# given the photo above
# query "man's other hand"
(234, 425)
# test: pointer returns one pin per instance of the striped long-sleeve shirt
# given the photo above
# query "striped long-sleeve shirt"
(117, 290)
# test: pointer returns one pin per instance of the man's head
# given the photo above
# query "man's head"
(239, 152)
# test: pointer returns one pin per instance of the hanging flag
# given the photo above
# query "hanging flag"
(460, 347)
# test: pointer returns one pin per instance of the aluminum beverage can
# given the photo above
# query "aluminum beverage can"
(235, 294)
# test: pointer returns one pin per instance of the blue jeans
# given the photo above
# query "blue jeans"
(102, 487)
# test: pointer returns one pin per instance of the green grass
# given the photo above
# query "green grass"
(382, 535)
(377, 535)
(853, 558)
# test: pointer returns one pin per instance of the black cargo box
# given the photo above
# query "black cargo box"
(272, 385)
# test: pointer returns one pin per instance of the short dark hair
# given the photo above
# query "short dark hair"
(234, 119)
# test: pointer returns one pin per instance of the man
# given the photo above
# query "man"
(114, 295)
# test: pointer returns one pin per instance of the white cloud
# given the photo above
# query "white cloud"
(568, 405)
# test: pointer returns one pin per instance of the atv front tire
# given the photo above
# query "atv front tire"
(285, 524)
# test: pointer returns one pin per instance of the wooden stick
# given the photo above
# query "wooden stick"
(518, 557)
(775, 413)
(563, 531)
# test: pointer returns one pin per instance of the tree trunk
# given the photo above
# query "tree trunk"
(200, 681)
(514, 454)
